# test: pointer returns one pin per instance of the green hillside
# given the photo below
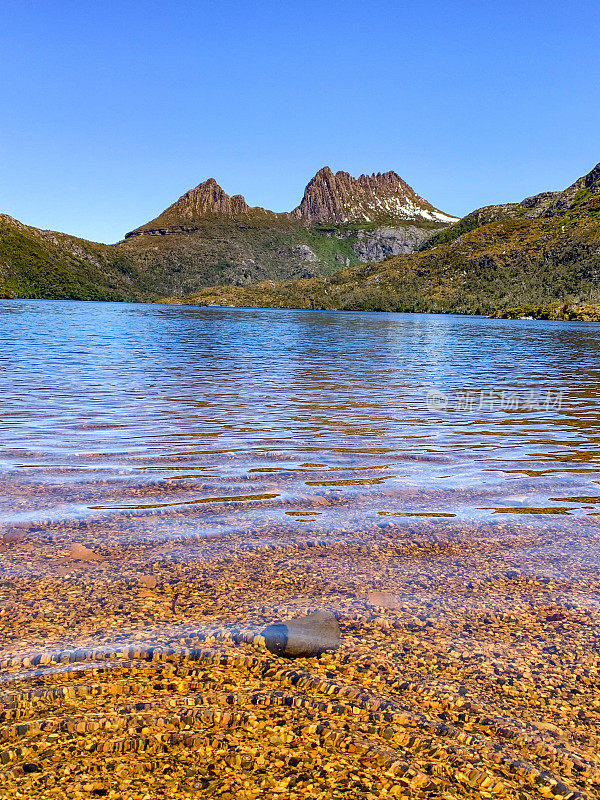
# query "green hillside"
(543, 251)
(42, 264)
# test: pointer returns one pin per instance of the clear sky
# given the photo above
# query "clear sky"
(111, 110)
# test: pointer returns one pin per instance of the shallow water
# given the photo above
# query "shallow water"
(166, 421)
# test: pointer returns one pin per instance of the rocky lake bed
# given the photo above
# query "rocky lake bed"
(467, 667)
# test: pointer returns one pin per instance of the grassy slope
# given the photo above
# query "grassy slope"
(242, 251)
(52, 265)
(44, 264)
(230, 250)
(474, 268)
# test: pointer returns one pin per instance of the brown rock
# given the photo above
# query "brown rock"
(340, 198)
(12, 536)
(383, 600)
(147, 581)
(79, 552)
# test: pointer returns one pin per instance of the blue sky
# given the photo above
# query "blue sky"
(110, 111)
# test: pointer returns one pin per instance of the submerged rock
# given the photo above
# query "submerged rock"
(383, 599)
(80, 552)
(303, 636)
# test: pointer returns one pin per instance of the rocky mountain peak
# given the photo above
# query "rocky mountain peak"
(205, 200)
(330, 198)
(339, 198)
(208, 198)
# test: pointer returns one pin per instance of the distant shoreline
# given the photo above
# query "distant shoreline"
(567, 312)
(556, 312)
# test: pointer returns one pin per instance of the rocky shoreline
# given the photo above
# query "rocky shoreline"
(570, 312)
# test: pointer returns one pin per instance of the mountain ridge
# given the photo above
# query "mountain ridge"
(203, 200)
(517, 258)
(208, 237)
(329, 199)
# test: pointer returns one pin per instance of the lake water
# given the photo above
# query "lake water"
(171, 422)
(433, 481)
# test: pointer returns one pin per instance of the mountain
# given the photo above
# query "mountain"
(382, 198)
(205, 200)
(539, 257)
(208, 237)
(329, 199)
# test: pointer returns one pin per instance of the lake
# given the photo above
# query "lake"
(174, 480)
(169, 420)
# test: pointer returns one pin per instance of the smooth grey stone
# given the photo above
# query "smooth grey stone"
(303, 637)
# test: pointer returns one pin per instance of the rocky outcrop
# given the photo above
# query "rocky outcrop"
(383, 197)
(578, 191)
(538, 204)
(206, 200)
(174, 230)
(305, 253)
(555, 204)
(381, 243)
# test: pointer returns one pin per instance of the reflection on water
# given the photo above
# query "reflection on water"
(222, 418)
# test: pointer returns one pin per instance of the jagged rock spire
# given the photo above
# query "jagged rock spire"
(208, 198)
(338, 198)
